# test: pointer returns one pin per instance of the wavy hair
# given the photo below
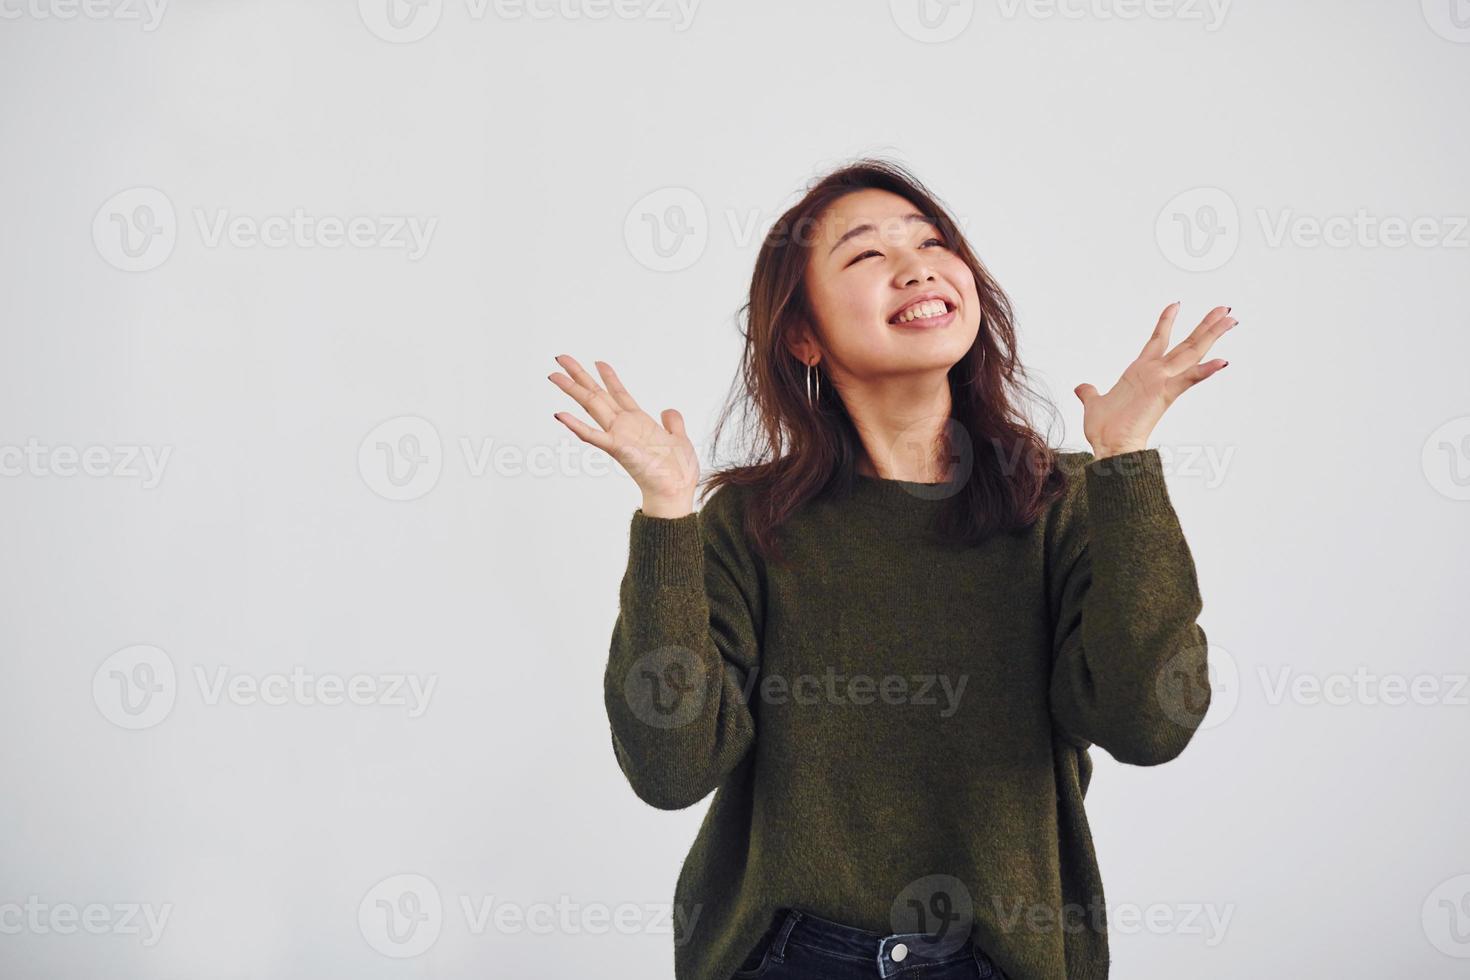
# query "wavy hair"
(1007, 474)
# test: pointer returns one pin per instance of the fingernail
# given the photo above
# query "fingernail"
(1229, 308)
(1225, 365)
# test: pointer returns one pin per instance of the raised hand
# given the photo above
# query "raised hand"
(1121, 420)
(658, 456)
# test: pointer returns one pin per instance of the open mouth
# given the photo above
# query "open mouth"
(923, 312)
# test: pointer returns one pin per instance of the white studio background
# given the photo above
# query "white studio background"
(282, 284)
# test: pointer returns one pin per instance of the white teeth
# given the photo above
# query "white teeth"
(933, 307)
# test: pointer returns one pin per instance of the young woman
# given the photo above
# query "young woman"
(888, 642)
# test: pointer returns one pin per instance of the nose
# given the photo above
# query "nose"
(917, 270)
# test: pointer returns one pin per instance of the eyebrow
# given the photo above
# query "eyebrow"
(862, 229)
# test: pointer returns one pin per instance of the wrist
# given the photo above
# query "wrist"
(1103, 452)
(667, 507)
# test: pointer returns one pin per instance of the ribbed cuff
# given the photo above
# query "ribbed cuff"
(666, 550)
(1126, 485)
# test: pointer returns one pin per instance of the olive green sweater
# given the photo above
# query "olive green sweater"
(897, 732)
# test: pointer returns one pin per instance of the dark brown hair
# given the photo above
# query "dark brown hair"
(800, 453)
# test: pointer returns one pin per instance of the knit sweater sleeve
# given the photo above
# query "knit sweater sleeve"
(1129, 659)
(684, 640)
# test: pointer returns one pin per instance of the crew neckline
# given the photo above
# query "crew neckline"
(887, 479)
(889, 491)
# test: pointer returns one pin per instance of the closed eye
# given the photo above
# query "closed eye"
(871, 251)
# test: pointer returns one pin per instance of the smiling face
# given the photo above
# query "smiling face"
(873, 254)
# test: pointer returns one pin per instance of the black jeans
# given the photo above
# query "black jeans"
(802, 946)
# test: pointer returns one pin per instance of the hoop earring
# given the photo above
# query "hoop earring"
(980, 369)
(982, 342)
(811, 399)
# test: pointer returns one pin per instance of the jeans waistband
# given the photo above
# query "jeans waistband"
(892, 953)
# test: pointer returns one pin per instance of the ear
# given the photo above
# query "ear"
(801, 344)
